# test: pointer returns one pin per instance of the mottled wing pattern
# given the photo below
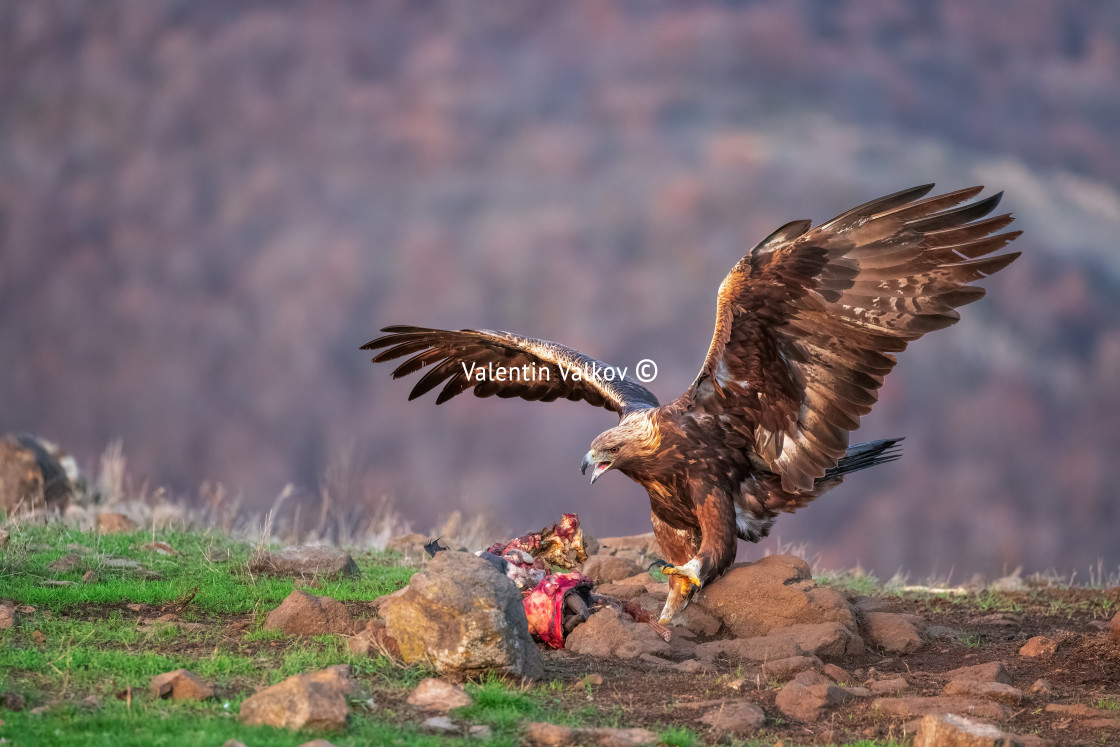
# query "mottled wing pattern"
(807, 322)
(446, 356)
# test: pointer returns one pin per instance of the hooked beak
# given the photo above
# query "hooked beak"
(599, 467)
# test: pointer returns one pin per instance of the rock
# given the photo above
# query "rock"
(306, 561)
(949, 730)
(438, 695)
(32, 476)
(1108, 723)
(758, 649)
(826, 640)
(1000, 619)
(610, 632)
(990, 690)
(993, 671)
(460, 614)
(1039, 646)
(4, 537)
(740, 719)
(160, 548)
(859, 692)
(550, 735)
(438, 724)
(1113, 627)
(481, 731)
(603, 569)
(13, 701)
(808, 695)
(784, 669)
(914, 705)
(889, 687)
(409, 545)
(233, 743)
(374, 640)
(303, 701)
(7, 616)
(836, 674)
(775, 592)
(692, 618)
(863, 605)
(112, 561)
(317, 743)
(892, 632)
(112, 522)
(181, 684)
(1075, 709)
(306, 614)
(1042, 688)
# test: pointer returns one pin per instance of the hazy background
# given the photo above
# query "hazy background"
(207, 207)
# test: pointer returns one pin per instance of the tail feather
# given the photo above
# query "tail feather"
(862, 456)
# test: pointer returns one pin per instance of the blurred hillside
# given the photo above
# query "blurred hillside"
(206, 207)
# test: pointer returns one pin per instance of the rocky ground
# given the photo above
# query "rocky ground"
(185, 638)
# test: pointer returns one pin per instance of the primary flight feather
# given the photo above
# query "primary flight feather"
(807, 324)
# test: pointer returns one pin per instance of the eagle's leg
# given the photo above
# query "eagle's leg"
(680, 591)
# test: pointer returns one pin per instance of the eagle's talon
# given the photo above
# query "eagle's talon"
(683, 571)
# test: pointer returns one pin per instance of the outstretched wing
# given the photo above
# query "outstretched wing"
(506, 365)
(807, 322)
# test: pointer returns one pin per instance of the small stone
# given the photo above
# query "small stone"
(889, 687)
(438, 724)
(306, 614)
(160, 548)
(992, 671)
(438, 695)
(1042, 688)
(303, 701)
(181, 684)
(306, 561)
(740, 719)
(1074, 709)
(1114, 629)
(892, 632)
(480, 731)
(65, 564)
(809, 695)
(914, 705)
(112, 561)
(838, 674)
(949, 730)
(89, 577)
(1039, 646)
(758, 649)
(859, 692)
(114, 523)
(317, 743)
(7, 616)
(990, 690)
(38, 637)
(999, 619)
(784, 669)
(4, 537)
(13, 701)
(233, 743)
(550, 735)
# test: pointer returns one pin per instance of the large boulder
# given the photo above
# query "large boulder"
(605, 569)
(461, 615)
(306, 561)
(306, 614)
(611, 633)
(303, 701)
(778, 591)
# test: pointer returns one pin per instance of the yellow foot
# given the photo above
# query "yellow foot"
(688, 570)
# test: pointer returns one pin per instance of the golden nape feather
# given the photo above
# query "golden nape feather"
(807, 326)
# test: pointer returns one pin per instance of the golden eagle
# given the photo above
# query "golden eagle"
(806, 327)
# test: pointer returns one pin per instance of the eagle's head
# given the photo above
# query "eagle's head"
(633, 439)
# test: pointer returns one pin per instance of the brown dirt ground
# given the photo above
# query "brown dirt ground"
(1085, 669)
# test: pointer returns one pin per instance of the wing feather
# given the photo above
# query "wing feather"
(446, 357)
(807, 322)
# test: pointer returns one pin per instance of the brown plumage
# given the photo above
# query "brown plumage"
(807, 324)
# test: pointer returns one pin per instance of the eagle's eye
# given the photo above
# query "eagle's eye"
(613, 450)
